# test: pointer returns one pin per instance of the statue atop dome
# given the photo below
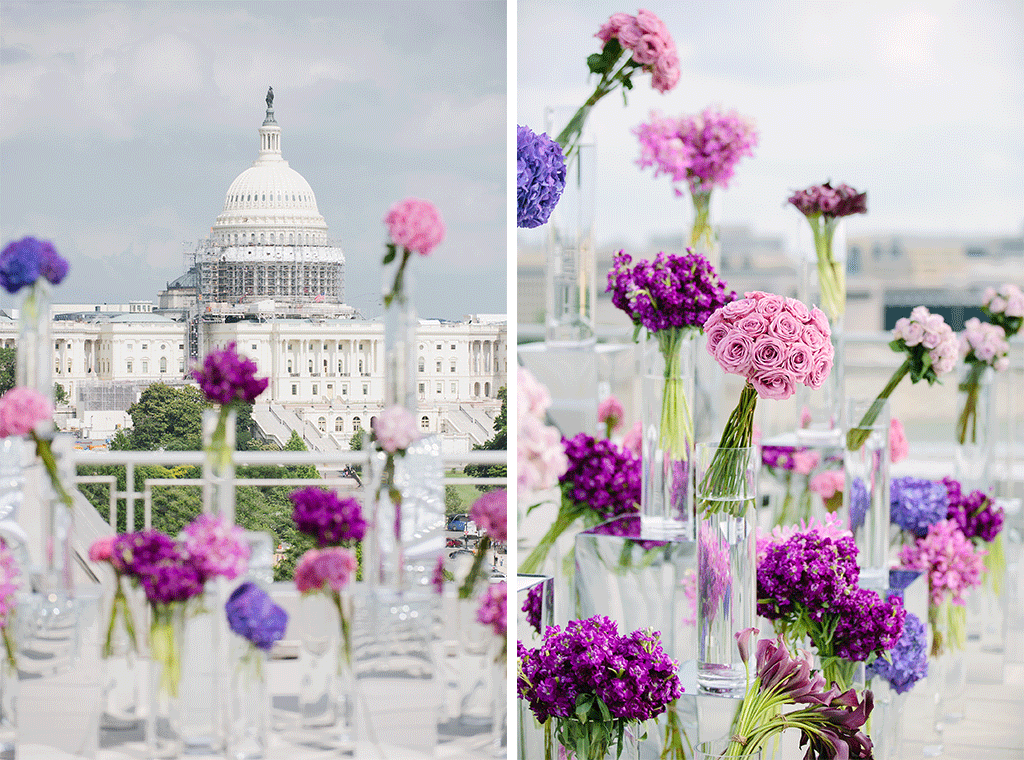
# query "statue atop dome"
(270, 97)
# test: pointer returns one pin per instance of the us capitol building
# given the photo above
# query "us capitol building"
(269, 279)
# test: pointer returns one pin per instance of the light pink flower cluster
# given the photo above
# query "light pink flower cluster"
(772, 341)
(540, 456)
(102, 549)
(9, 583)
(899, 447)
(217, 547)
(394, 429)
(986, 343)
(931, 331)
(320, 569)
(701, 149)
(805, 460)
(490, 513)
(415, 224)
(952, 562)
(832, 527)
(1007, 299)
(650, 42)
(610, 413)
(21, 409)
(828, 483)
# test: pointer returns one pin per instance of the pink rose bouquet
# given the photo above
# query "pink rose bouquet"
(931, 347)
(982, 345)
(1005, 307)
(629, 43)
(413, 225)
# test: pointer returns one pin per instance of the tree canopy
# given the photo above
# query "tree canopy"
(498, 442)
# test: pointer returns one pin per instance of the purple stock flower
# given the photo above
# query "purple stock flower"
(254, 616)
(601, 476)
(540, 177)
(160, 565)
(975, 513)
(533, 605)
(808, 571)
(916, 503)
(23, 261)
(326, 517)
(865, 625)
(226, 377)
(908, 659)
(830, 201)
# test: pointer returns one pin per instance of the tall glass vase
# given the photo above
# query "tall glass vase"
(823, 284)
(249, 706)
(35, 346)
(886, 723)
(219, 435)
(57, 580)
(719, 748)
(703, 228)
(119, 654)
(726, 563)
(866, 493)
(571, 276)
(702, 237)
(400, 360)
(975, 434)
(327, 688)
(476, 693)
(163, 723)
(666, 504)
(203, 674)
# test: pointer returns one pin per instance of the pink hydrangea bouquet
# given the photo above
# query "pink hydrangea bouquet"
(330, 571)
(931, 347)
(414, 225)
(490, 513)
(775, 343)
(9, 584)
(24, 411)
(823, 206)
(1004, 306)
(701, 150)
(629, 43)
(982, 345)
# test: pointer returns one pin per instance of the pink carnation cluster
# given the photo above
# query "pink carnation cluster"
(540, 457)
(650, 42)
(9, 583)
(952, 562)
(931, 331)
(394, 429)
(774, 342)
(21, 409)
(490, 513)
(828, 483)
(985, 343)
(415, 224)
(319, 569)
(218, 548)
(1007, 299)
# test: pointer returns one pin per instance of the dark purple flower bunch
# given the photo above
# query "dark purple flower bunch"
(24, 261)
(975, 513)
(326, 517)
(917, 503)
(830, 201)
(807, 574)
(590, 662)
(670, 292)
(866, 625)
(254, 616)
(602, 476)
(533, 606)
(226, 377)
(159, 564)
(540, 177)
(908, 659)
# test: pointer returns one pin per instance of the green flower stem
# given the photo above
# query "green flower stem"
(10, 649)
(120, 600)
(969, 416)
(466, 589)
(787, 502)
(218, 449)
(726, 474)
(676, 428)
(399, 283)
(836, 670)
(346, 631)
(857, 435)
(674, 734)
(702, 231)
(949, 627)
(567, 515)
(831, 273)
(995, 564)
(569, 137)
(44, 452)
(164, 647)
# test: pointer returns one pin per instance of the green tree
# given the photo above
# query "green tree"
(8, 365)
(499, 442)
(167, 418)
(60, 396)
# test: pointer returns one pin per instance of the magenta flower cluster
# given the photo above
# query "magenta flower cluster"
(493, 609)
(326, 517)
(415, 224)
(908, 659)
(774, 342)
(24, 261)
(631, 674)
(915, 504)
(533, 605)
(219, 549)
(984, 343)
(830, 202)
(925, 333)
(226, 377)
(490, 513)
(1005, 307)
(9, 583)
(322, 569)
(952, 563)
(254, 616)
(652, 47)
(976, 513)
(540, 177)
(701, 149)
(671, 291)
(601, 476)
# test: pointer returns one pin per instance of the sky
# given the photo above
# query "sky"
(918, 102)
(124, 123)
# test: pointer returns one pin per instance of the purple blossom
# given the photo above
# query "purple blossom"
(533, 605)
(976, 513)
(865, 625)
(830, 202)
(860, 502)
(23, 261)
(326, 517)
(908, 659)
(226, 377)
(601, 476)
(254, 616)
(493, 610)
(713, 572)
(159, 564)
(807, 574)
(916, 503)
(953, 564)
(9, 583)
(540, 177)
(490, 513)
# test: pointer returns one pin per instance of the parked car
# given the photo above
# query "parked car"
(458, 522)
(459, 553)
(457, 542)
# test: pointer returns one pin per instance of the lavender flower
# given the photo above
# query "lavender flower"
(908, 659)
(917, 503)
(860, 502)
(540, 177)
(254, 616)
(330, 520)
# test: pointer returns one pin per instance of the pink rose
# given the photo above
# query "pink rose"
(819, 320)
(913, 333)
(21, 409)
(666, 73)
(395, 429)
(648, 49)
(769, 353)
(715, 334)
(812, 337)
(102, 549)
(611, 27)
(629, 35)
(534, 398)
(415, 224)
(821, 366)
(798, 309)
(319, 569)
(786, 327)
(775, 384)
(798, 360)
(753, 324)
(805, 417)
(899, 447)
(770, 305)
(735, 352)
(805, 460)
(827, 484)
(930, 339)
(738, 309)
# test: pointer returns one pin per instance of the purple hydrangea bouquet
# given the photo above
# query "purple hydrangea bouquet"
(931, 349)
(540, 177)
(701, 150)
(490, 513)
(414, 225)
(628, 43)
(254, 616)
(823, 206)
(981, 520)
(1004, 306)
(602, 481)
(594, 684)
(774, 343)
(915, 504)
(907, 662)
(10, 582)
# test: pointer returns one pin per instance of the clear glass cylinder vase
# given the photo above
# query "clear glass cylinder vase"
(866, 492)
(57, 573)
(249, 704)
(627, 749)
(163, 721)
(975, 434)
(119, 655)
(203, 675)
(219, 436)
(822, 245)
(34, 368)
(571, 272)
(475, 688)
(726, 562)
(327, 687)
(719, 748)
(667, 503)
(885, 725)
(703, 228)
(400, 359)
